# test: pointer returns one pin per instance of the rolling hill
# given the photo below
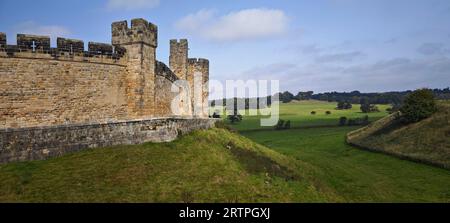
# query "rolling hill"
(427, 141)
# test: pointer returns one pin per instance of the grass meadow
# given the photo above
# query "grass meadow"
(299, 113)
(356, 175)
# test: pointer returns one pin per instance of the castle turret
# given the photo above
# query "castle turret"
(198, 75)
(179, 57)
(140, 42)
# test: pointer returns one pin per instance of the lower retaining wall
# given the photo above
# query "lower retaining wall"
(39, 143)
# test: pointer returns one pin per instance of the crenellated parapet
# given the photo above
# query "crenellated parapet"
(140, 31)
(70, 45)
(33, 42)
(199, 65)
(38, 47)
(200, 62)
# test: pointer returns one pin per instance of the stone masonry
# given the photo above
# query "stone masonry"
(45, 92)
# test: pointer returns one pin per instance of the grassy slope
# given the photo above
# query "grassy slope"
(299, 112)
(206, 166)
(428, 140)
(357, 175)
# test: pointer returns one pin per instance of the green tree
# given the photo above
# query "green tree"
(418, 105)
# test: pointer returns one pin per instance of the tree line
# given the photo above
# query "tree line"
(355, 97)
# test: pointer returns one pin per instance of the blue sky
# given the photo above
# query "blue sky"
(319, 45)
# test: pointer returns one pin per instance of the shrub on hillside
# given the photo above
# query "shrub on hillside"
(358, 121)
(328, 113)
(343, 121)
(280, 125)
(287, 125)
(234, 118)
(313, 112)
(419, 105)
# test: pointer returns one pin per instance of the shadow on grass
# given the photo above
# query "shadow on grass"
(255, 163)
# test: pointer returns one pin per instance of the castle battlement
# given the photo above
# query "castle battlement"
(198, 61)
(141, 31)
(38, 47)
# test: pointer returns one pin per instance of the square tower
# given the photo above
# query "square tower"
(178, 60)
(140, 42)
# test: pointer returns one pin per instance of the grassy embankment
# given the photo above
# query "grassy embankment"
(427, 141)
(205, 166)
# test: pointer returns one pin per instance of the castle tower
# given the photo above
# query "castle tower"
(140, 42)
(179, 57)
(199, 67)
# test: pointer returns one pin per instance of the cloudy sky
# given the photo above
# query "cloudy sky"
(319, 45)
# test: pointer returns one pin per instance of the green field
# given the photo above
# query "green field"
(299, 113)
(355, 174)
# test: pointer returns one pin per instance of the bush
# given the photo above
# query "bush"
(359, 121)
(234, 118)
(344, 105)
(419, 105)
(280, 125)
(216, 114)
(287, 125)
(343, 121)
(367, 108)
(328, 113)
(313, 113)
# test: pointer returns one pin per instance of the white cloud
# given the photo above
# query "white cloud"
(31, 27)
(130, 5)
(240, 25)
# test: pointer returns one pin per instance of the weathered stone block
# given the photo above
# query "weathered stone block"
(33, 42)
(100, 48)
(2, 40)
(70, 45)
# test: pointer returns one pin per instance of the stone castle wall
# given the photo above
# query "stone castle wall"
(37, 90)
(44, 142)
(122, 82)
